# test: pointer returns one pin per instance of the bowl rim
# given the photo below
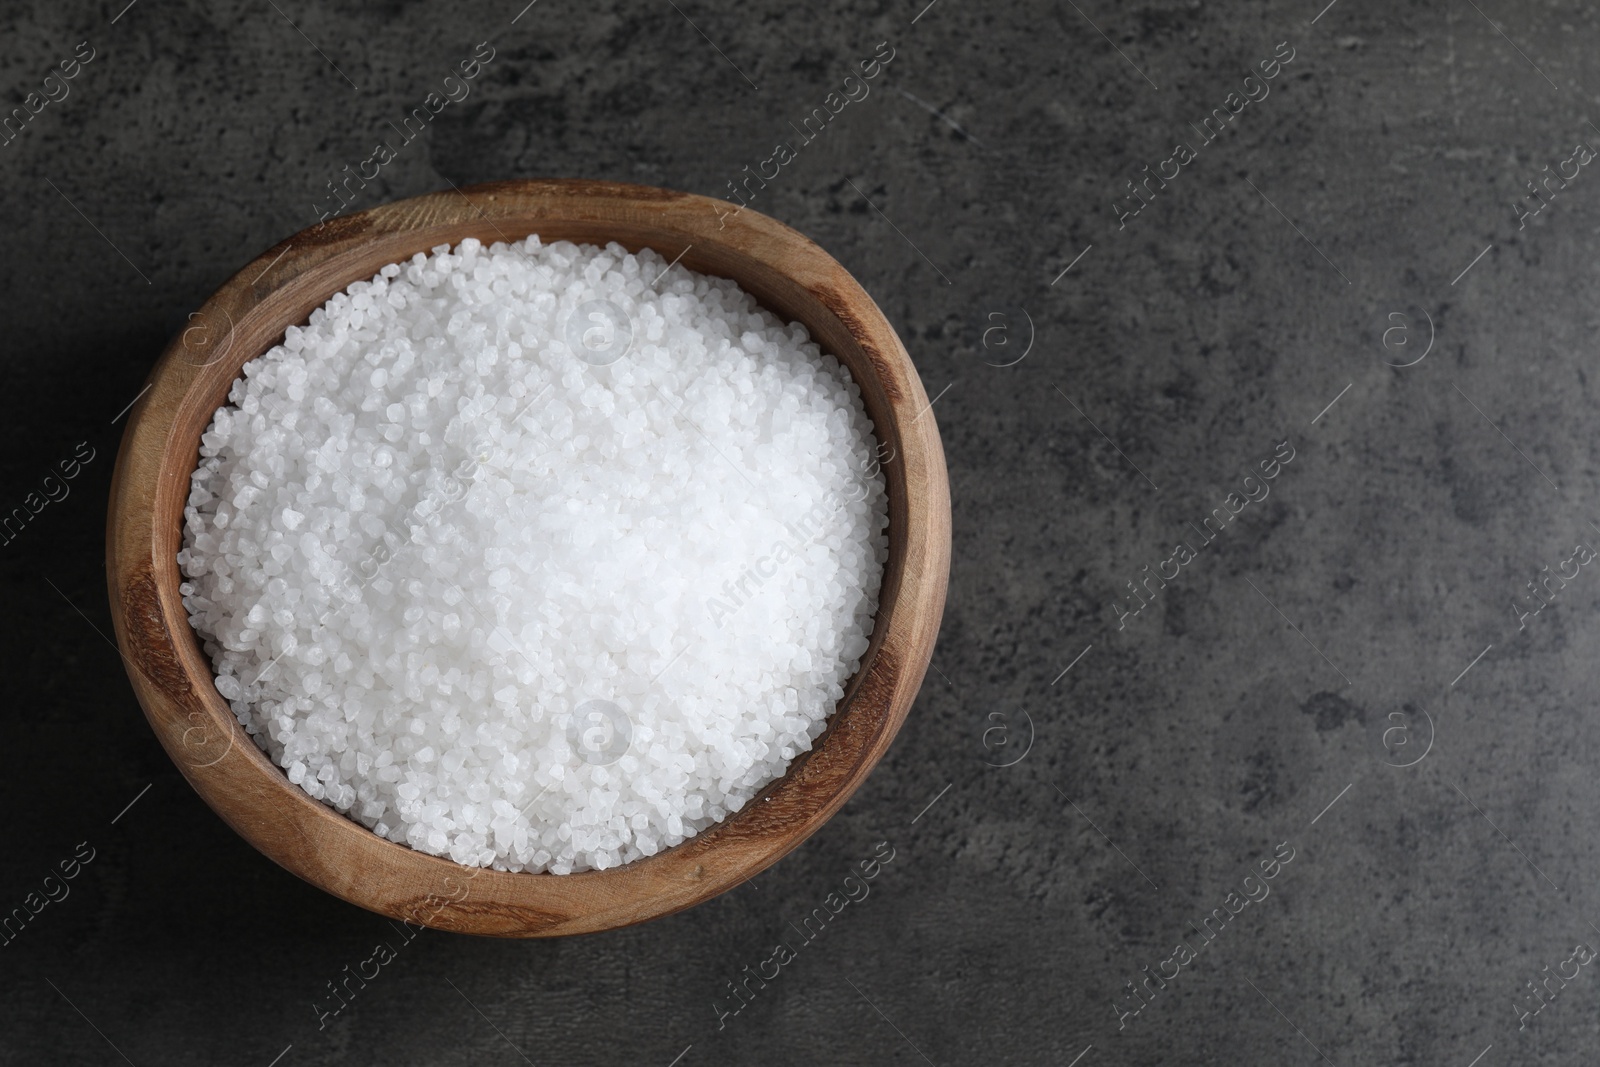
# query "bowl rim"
(172, 677)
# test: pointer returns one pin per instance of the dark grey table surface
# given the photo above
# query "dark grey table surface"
(1354, 271)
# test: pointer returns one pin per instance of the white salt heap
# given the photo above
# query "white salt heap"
(532, 590)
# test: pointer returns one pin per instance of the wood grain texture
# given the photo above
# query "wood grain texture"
(172, 677)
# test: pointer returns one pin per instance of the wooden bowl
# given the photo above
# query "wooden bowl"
(172, 676)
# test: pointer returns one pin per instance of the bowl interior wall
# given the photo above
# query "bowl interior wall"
(291, 302)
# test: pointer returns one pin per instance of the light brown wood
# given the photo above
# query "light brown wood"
(789, 275)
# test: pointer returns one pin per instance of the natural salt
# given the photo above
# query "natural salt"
(539, 557)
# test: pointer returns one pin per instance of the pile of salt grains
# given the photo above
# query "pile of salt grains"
(427, 539)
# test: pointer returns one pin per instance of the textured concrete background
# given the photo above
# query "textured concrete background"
(1362, 214)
